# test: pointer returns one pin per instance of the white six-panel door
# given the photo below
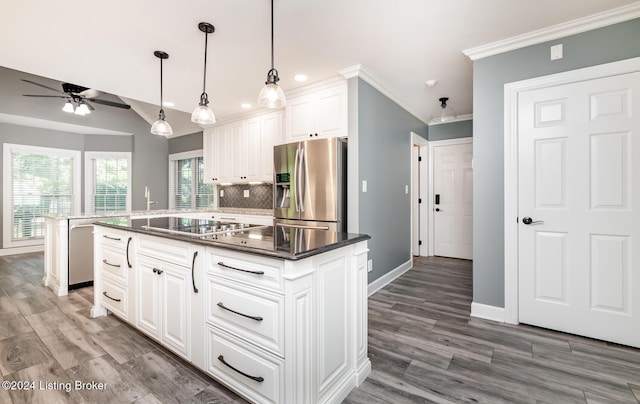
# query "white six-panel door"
(453, 215)
(579, 190)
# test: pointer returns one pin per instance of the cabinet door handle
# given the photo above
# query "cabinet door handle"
(160, 271)
(256, 378)
(222, 306)
(115, 300)
(128, 242)
(111, 238)
(110, 264)
(193, 265)
(222, 264)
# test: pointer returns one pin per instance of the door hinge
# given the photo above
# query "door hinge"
(419, 242)
(419, 158)
(419, 200)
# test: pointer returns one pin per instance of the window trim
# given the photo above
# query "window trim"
(180, 156)
(7, 187)
(88, 170)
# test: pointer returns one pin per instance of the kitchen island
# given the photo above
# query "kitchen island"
(277, 314)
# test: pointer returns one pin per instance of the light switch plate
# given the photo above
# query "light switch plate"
(556, 52)
(246, 193)
(369, 265)
(222, 193)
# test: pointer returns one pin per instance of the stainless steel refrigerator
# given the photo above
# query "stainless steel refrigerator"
(309, 187)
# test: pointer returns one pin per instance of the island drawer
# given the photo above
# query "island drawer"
(252, 372)
(115, 239)
(114, 263)
(246, 268)
(114, 298)
(166, 249)
(251, 314)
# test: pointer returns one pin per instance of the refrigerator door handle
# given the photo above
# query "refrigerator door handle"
(295, 184)
(300, 179)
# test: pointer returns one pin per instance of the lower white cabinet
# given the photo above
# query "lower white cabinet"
(164, 303)
(273, 330)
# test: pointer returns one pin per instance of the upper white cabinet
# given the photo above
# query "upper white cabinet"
(322, 113)
(242, 151)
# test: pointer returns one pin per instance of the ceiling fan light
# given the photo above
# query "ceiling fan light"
(84, 108)
(271, 96)
(68, 107)
(203, 115)
(161, 128)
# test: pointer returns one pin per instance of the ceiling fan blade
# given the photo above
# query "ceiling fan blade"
(110, 103)
(91, 108)
(45, 96)
(41, 85)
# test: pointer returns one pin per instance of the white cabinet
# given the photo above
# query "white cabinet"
(322, 113)
(242, 151)
(114, 271)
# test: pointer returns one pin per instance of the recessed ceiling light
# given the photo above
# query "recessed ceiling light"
(245, 105)
(300, 77)
(431, 83)
(169, 104)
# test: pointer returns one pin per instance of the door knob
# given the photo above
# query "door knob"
(527, 220)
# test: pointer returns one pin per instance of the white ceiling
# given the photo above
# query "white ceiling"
(108, 45)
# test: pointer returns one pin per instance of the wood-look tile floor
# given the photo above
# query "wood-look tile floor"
(423, 346)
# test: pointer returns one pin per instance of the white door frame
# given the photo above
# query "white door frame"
(425, 174)
(511, 92)
(432, 145)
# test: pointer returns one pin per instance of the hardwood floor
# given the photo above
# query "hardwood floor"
(423, 346)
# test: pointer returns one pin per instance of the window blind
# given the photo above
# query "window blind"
(187, 189)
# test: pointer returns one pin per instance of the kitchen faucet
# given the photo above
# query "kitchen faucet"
(147, 194)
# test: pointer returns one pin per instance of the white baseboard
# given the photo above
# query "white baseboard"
(21, 250)
(487, 312)
(389, 277)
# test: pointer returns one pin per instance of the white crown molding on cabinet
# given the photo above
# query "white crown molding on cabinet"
(599, 20)
(59, 126)
(361, 72)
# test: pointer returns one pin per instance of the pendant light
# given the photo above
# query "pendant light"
(203, 115)
(161, 127)
(272, 96)
(447, 113)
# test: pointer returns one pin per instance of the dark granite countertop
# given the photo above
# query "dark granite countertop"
(272, 241)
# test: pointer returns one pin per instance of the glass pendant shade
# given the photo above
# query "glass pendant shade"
(446, 113)
(161, 128)
(203, 115)
(271, 96)
(68, 107)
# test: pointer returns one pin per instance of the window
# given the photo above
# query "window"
(107, 182)
(187, 190)
(37, 181)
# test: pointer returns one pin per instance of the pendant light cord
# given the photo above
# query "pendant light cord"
(161, 106)
(204, 80)
(272, 63)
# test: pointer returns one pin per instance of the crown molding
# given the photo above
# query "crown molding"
(361, 72)
(599, 20)
(460, 118)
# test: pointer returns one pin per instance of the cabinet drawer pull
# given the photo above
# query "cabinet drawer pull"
(256, 378)
(233, 219)
(222, 264)
(111, 238)
(115, 300)
(222, 306)
(110, 264)
(128, 242)
(193, 278)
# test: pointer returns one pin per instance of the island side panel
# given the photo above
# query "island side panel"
(97, 310)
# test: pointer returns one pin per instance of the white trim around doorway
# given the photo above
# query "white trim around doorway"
(511, 93)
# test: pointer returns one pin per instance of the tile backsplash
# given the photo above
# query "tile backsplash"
(260, 196)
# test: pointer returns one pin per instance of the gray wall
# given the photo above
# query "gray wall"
(384, 161)
(595, 47)
(185, 143)
(452, 130)
(149, 152)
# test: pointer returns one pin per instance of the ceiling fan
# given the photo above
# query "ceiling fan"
(77, 97)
